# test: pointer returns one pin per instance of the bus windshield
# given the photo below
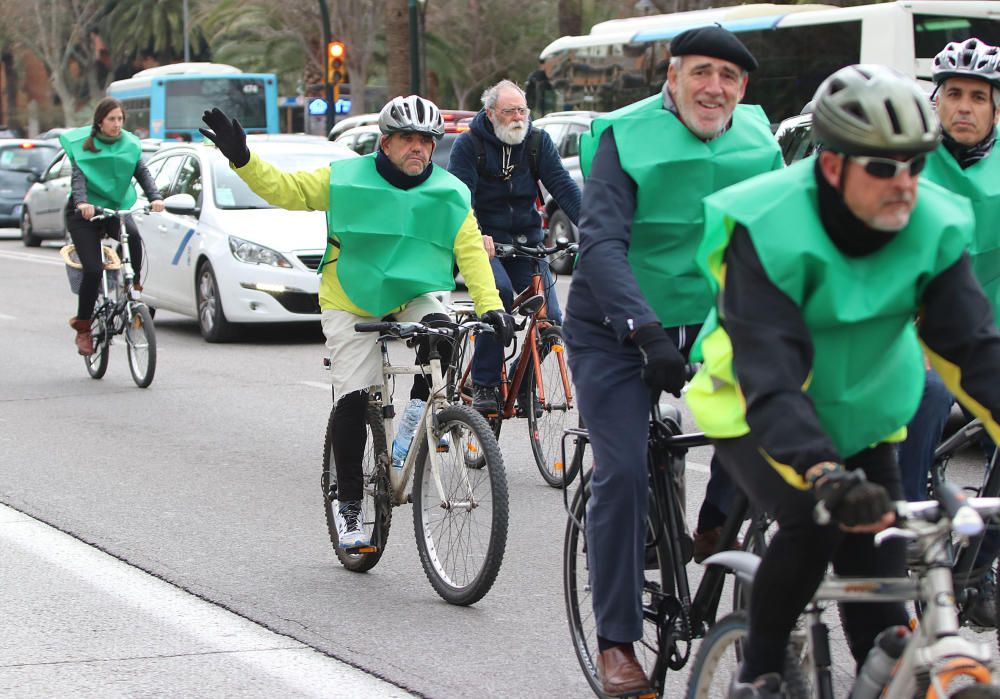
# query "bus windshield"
(239, 97)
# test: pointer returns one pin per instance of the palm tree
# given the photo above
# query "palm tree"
(155, 27)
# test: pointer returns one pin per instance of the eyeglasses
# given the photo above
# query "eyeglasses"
(888, 168)
(520, 111)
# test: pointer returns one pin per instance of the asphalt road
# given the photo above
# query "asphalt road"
(209, 481)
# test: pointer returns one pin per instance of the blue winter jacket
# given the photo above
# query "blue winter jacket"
(506, 209)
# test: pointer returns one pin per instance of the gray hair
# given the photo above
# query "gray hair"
(490, 94)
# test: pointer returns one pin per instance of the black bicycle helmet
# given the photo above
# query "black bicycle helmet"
(874, 110)
(969, 59)
(411, 114)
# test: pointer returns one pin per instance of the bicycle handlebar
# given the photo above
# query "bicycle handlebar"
(405, 330)
(539, 252)
(101, 214)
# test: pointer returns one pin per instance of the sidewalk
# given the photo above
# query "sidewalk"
(80, 623)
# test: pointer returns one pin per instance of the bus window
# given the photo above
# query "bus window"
(240, 98)
(137, 116)
(932, 32)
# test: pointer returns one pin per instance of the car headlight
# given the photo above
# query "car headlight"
(253, 254)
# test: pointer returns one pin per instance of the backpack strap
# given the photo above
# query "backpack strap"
(533, 143)
(477, 143)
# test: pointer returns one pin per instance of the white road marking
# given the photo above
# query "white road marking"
(31, 257)
(4, 316)
(302, 669)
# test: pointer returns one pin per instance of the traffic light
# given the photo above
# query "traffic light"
(335, 55)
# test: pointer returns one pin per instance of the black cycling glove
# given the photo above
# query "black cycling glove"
(228, 135)
(662, 362)
(849, 498)
(503, 325)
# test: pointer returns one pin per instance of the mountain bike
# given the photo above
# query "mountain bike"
(118, 311)
(936, 662)
(459, 495)
(672, 618)
(966, 575)
(537, 384)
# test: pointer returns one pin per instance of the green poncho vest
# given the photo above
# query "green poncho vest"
(109, 172)
(673, 170)
(868, 368)
(394, 244)
(980, 183)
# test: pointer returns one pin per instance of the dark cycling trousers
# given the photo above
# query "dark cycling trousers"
(797, 557)
(87, 237)
(614, 403)
(350, 433)
(509, 275)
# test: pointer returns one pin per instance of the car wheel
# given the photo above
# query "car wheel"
(28, 236)
(560, 227)
(211, 317)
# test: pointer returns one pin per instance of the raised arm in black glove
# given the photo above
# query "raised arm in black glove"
(847, 496)
(503, 325)
(662, 362)
(228, 135)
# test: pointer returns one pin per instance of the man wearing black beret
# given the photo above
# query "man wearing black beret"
(637, 302)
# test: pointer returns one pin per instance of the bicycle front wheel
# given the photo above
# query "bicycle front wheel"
(550, 414)
(140, 337)
(375, 501)
(100, 331)
(658, 586)
(460, 513)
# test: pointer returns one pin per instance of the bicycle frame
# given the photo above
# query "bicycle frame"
(116, 307)
(425, 428)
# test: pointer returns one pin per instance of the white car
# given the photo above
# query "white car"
(222, 254)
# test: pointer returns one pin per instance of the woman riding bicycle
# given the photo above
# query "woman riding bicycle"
(812, 364)
(105, 158)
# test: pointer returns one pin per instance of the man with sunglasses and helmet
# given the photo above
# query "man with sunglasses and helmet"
(967, 98)
(812, 361)
(396, 226)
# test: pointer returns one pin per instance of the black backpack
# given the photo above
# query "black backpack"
(533, 143)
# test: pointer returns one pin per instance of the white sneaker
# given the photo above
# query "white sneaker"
(350, 532)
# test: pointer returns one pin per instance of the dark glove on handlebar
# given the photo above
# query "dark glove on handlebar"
(662, 362)
(228, 135)
(503, 325)
(850, 498)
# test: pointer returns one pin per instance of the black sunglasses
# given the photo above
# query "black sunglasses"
(888, 168)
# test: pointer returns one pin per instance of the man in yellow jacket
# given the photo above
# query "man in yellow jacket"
(396, 226)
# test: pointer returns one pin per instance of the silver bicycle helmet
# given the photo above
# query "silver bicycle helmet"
(411, 114)
(874, 110)
(969, 59)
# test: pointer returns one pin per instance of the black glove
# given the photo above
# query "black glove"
(228, 135)
(849, 498)
(662, 362)
(503, 325)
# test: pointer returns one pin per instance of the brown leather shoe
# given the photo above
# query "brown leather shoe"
(621, 674)
(84, 342)
(706, 543)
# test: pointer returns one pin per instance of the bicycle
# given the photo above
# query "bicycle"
(118, 310)
(460, 513)
(937, 662)
(538, 384)
(966, 576)
(672, 619)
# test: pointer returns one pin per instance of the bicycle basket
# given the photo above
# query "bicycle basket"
(74, 270)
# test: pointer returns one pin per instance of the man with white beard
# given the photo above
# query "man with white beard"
(501, 159)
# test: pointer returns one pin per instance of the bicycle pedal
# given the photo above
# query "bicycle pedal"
(367, 548)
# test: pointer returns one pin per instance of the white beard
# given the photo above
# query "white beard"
(513, 134)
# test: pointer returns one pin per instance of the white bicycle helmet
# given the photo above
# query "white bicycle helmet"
(969, 59)
(874, 110)
(412, 114)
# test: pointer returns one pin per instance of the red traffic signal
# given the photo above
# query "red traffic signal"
(335, 55)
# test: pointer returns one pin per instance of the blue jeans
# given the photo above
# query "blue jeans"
(510, 275)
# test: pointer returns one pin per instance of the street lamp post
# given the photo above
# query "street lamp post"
(187, 41)
(414, 48)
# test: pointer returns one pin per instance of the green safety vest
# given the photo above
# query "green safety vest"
(394, 244)
(868, 368)
(980, 183)
(673, 170)
(109, 172)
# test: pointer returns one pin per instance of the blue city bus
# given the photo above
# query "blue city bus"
(167, 101)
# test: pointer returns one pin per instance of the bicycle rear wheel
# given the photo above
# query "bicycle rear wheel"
(548, 418)
(579, 606)
(461, 531)
(97, 363)
(375, 499)
(140, 337)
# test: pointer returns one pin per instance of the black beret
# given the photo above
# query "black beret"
(713, 41)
